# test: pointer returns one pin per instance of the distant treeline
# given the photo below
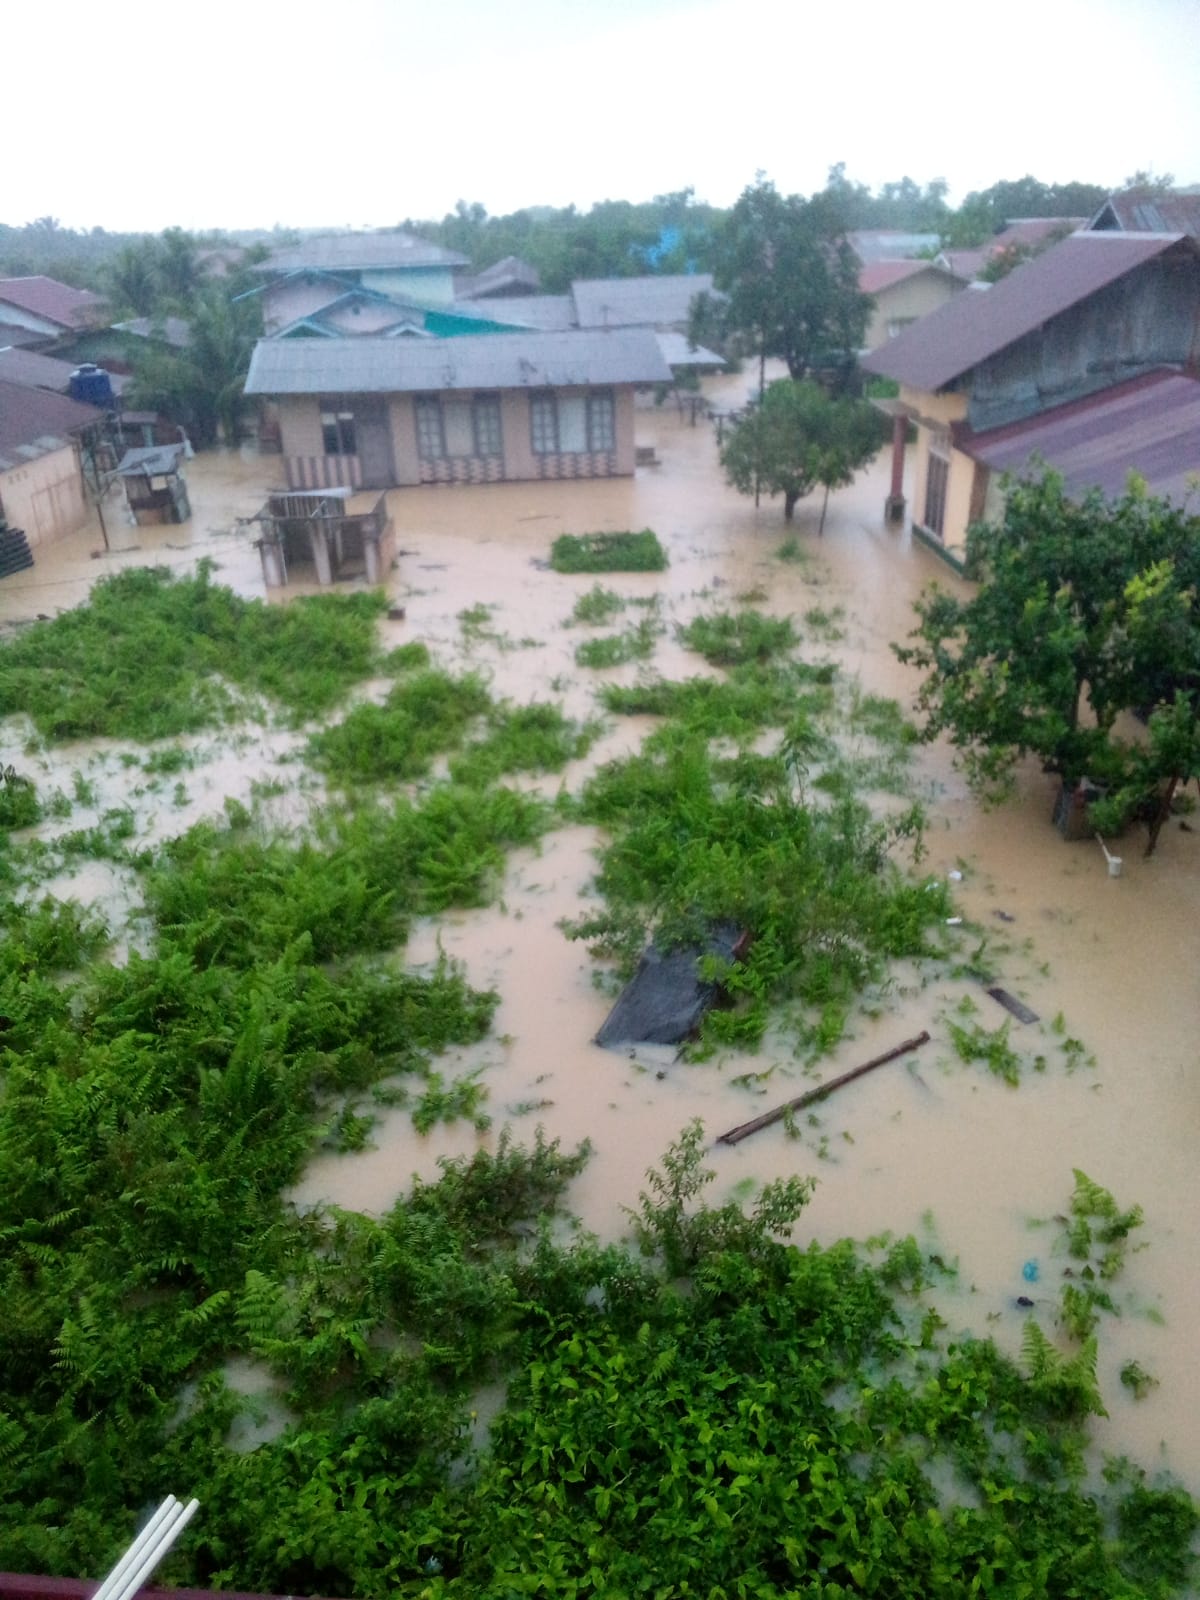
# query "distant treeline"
(615, 238)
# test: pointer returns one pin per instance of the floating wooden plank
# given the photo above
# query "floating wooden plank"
(1010, 1003)
(745, 1129)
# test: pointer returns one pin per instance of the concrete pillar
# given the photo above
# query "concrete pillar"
(271, 552)
(371, 557)
(893, 508)
(320, 550)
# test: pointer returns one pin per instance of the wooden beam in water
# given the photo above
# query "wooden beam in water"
(745, 1129)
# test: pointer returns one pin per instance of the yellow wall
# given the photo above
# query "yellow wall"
(45, 497)
(940, 410)
(912, 298)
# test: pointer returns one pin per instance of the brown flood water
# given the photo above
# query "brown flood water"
(925, 1145)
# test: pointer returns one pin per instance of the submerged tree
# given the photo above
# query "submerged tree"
(1086, 608)
(201, 385)
(799, 438)
(789, 282)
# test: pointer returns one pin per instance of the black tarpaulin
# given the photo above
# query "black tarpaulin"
(665, 1000)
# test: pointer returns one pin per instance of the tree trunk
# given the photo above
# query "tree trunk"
(824, 508)
(1161, 815)
(789, 504)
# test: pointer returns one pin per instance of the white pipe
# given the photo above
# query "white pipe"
(148, 1536)
(150, 1558)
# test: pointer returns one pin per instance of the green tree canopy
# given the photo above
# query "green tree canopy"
(202, 386)
(798, 438)
(790, 281)
(1086, 608)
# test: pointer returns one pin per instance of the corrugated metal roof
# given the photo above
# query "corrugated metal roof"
(13, 337)
(57, 302)
(174, 331)
(646, 302)
(35, 371)
(549, 312)
(1149, 424)
(678, 353)
(500, 277)
(473, 361)
(34, 422)
(972, 327)
(889, 244)
(876, 276)
(352, 252)
(1144, 211)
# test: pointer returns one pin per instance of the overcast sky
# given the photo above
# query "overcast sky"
(248, 113)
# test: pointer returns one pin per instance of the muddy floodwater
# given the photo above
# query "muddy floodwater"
(927, 1144)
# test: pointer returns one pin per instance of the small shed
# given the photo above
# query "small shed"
(330, 534)
(155, 490)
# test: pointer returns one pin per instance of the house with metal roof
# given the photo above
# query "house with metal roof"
(44, 306)
(1145, 210)
(386, 412)
(903, 292)
(1016, 240)
(646, 302)
(304, 278)
(1064, 361)
(41, 474)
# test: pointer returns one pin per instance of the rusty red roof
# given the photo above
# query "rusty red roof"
(57, 302)
(1150, 425)
(1148, 211)
(33, 422)
(876, 276)
(968, 329)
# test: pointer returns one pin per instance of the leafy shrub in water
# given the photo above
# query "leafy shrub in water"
(533, 738)
(19, 804)
(738, 706)
(608, 552)
(597, 606)
(615, 649)
(730, 640)
(152, 655)
(816, 888)
(424, 715)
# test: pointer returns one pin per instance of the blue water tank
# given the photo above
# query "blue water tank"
(92, 385)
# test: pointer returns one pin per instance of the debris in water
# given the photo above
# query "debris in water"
(1005, 916)
(1030, 1272)
(665, 1000)
(744, 1129)
(1010, 1003)
(1024, 1302)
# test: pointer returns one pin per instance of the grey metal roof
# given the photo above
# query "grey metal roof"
(351, 252)
(889, 244)
(473, 361)
(500, 278)
(971, 327)
(550, 312)
(151, 461)
(638, 302)
(1149, 424)
(174, 331)
(678, 353)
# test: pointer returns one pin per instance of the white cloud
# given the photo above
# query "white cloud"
(243, 113)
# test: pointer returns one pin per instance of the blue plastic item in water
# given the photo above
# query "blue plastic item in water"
(1030, 1272)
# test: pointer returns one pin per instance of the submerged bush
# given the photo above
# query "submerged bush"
(608, 552)
(730, 640)
(152, 655)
